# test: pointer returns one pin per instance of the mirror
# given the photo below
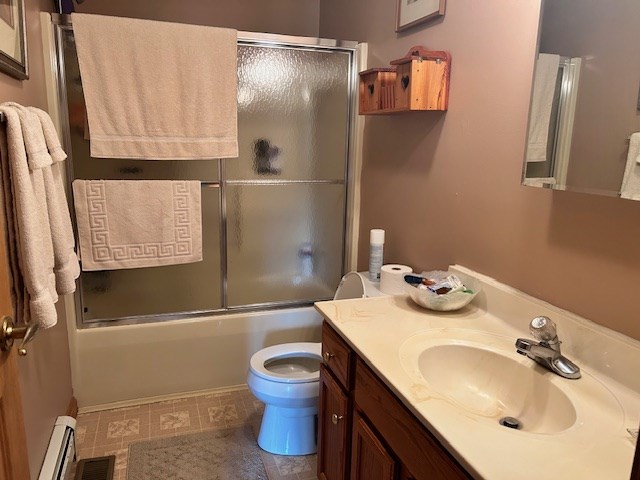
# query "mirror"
(584, 119)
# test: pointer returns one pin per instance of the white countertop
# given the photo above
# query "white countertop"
(385, 330)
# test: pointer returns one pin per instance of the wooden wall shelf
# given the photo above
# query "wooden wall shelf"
(419, 81)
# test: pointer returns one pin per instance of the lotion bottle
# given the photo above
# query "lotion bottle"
(376, 245)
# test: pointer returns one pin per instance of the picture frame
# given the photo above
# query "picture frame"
(410, 13)
(13, 39)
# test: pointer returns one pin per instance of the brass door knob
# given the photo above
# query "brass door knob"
(9, 332)
(335, 418)
(328, 356)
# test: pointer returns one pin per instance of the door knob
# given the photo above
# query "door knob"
(335, 418)
(9, 332)
(328, 356)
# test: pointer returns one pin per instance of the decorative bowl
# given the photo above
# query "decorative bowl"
(446, 302)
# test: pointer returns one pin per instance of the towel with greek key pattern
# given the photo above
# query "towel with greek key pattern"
(138, 223)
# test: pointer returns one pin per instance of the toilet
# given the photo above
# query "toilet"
(286, 379)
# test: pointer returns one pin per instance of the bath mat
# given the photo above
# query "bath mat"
(229, 454)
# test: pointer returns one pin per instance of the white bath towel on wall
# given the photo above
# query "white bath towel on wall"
(138, 223)
(544, 86)
(67, 268)
(631, 180)
(158, 90)
(29, 233)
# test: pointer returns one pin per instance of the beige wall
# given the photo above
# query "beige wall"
(446, 187)
(291, 17)
(45, 373)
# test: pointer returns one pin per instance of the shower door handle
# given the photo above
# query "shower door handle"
(9, 332)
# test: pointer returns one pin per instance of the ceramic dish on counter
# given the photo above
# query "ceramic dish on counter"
(455, 299)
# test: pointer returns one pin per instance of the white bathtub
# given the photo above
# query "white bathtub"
(116, 366)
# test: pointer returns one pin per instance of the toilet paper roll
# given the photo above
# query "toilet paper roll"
(392, 278)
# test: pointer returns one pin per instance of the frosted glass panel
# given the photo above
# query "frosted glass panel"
(292, 114)
(89, 168)
(284, 242)
(160, 290)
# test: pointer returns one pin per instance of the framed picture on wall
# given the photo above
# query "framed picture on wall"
(412, 12)
(13, 39)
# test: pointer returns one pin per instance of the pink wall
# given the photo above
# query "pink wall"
(291, 17)
(45, 374)
(446, 186)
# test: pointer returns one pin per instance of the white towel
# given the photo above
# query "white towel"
(35, 145)
(544, 87)
(539, 181)
(31, 232)
(158, 90)
(631, 180)
(67, 268)
(138, 223)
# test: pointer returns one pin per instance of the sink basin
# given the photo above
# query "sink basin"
(492, 385)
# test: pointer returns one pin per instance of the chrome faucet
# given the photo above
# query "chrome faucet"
(546, 352)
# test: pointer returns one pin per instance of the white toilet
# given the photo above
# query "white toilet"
(285, 378)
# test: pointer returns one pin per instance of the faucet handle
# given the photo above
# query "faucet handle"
(543, 329)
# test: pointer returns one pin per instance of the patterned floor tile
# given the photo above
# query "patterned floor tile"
(288, 465)
(111, 431)
(223, 413)
(123, 428)
(174, 420)
(81, 433)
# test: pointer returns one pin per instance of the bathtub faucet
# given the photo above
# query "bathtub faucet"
(546, 352)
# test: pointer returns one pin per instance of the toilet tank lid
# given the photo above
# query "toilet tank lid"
(357, 285)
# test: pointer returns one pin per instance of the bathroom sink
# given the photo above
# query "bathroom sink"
(479, 375)
(495, 386)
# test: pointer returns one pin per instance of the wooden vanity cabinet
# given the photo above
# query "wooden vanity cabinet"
(335, 407)
(370, 459)
(366, 433)
(416, 448)
(635, 470)
(333, 429)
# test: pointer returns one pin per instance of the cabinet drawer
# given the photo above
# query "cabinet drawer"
(337, 356)
(412, 443)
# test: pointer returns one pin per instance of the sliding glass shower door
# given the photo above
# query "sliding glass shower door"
(273, 218)
(285, 194)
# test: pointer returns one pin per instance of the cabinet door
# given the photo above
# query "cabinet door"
(410, 441)
(406, 474)
(370, 459)
(334, 421)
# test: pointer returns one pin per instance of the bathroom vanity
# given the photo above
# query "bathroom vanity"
(407, 393)
(366, 433)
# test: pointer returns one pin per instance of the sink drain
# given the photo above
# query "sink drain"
(511, 422)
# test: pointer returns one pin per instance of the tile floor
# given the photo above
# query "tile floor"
(110, 432)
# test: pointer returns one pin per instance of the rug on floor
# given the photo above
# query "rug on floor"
(229, 454)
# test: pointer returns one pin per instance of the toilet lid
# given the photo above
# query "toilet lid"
(270, 363)
(357, 285)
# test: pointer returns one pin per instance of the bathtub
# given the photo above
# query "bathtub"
(126, 364)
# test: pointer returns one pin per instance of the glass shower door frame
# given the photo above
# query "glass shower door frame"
(62, 23)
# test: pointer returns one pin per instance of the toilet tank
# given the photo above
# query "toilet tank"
(357, 285)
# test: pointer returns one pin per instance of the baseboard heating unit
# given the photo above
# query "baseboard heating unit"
(61, 453)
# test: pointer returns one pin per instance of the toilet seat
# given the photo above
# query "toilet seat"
(283, 351)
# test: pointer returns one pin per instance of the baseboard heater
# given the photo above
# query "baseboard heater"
(61, 453)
